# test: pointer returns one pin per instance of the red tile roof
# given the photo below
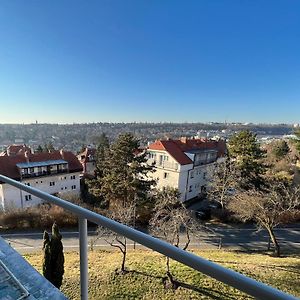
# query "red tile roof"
(176, 148)
(8, 163)
(13, 150)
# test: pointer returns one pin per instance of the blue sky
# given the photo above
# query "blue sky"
(160, 60)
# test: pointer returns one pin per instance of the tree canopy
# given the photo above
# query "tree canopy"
(247, 154)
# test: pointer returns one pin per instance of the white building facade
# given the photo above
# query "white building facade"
(56, 173)
(185, 164)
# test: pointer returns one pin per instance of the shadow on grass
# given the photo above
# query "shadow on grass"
(291, 269)
(213, 294)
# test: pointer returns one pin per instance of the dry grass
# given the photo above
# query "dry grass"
(145, 280)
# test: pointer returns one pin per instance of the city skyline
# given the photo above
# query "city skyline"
(170, 61)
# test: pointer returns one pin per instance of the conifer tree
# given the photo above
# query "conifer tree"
(94, 185)
(39, 149)
(47, 256)
(125, 177)
(245, 151)
(53, 262)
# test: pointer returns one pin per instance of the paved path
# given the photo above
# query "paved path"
(224, 236)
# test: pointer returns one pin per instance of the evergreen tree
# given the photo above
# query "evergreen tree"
(297, 141)
(101, 151)
(125, 176)
(57, 256)
(245, 151)
(39, 149)
(47, 256)
(93, 192)
(280, 149)
(53, 262)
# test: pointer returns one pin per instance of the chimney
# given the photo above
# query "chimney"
(26, 155)
(61, 151)
(183, 139)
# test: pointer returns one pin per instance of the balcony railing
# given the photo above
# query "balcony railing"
(44, 173)
(163, 164)
(248, 285)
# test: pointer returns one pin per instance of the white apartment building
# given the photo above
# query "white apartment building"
(185, 164)
(56, 173)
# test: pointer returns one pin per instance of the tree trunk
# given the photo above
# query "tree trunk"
(124, 258)
(274, 241)
(173, 284)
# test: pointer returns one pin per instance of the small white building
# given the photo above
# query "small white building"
(185, 164)
(56, 173)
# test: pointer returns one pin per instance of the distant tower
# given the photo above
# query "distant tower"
(36, 121)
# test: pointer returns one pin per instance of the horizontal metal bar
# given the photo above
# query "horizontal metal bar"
(248, 285)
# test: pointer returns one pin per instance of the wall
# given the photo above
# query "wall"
(12, 197)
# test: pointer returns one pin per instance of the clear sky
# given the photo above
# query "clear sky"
(65, 61)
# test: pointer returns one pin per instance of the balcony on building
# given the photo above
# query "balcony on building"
(44, 168)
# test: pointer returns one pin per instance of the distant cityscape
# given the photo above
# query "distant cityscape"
(72, 137)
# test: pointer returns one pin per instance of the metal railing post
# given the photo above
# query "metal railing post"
(83, 245)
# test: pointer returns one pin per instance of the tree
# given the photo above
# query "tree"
(222, 182)
(47, 256)
(101, 152)
(39, 149)
(247, 155)
(92, 187)
(170, 219)
(297, 140)
(277, 203)
(126, 173)
(124, 215)
(49, 147)
(53, 262)
(280, 149)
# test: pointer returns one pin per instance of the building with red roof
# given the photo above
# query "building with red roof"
(15, 149)
(54, 172)
(185, 164)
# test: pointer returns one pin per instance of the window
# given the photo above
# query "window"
(27, 183)
(166, 175)
(192, 174)
(204, 175)
(27, 197)
(73, 187)
(52, 183)
(190, 189)
(31, 170)
(73, 177)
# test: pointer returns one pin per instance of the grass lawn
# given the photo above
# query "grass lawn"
(144, 281)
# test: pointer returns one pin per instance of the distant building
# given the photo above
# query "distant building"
(185, 163)
(56, 173)
(15, 149)
(87, 159)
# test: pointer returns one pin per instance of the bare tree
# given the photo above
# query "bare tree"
(171, 221)
(124, 215)
(222, 182)
(277, 203)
